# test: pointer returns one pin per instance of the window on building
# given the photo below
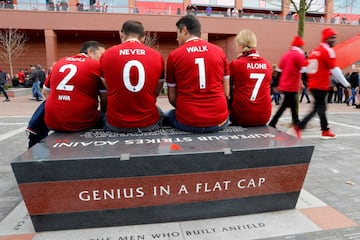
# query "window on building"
(31, 5)
(263, 4)
(347, 6)
(317, 6)
(215, 3)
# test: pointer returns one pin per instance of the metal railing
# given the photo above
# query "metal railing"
(35, 6)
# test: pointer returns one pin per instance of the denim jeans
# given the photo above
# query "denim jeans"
(2, 89)
(36, 90)
(170, 117)
(352, 97)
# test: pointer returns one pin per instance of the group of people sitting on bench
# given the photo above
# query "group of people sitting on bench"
(206, 92)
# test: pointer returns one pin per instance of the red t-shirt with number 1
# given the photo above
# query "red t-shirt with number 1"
(197, 69)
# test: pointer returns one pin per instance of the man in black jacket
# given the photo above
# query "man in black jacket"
(354, 82)
(3, 80)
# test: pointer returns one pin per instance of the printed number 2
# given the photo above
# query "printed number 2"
(259, 78)
(63, 83)
(201, 66)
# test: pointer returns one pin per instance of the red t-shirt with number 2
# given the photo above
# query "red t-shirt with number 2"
(74, 84)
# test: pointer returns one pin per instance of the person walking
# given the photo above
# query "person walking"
(3, 80)
(354, 82)
(321, 63)
(290, 67)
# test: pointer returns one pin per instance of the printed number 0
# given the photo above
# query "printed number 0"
(63, 83)
(312, 66)
(259, 78)
(201, 66)
(126, 76)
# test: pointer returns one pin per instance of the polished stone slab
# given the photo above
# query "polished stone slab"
(100, 178)
(253, 226)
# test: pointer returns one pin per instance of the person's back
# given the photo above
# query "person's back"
(21, 75)
(3, 77)
(320, 61)
(134, 75)
(354, 79)
(198, 75)
(74, 85)
(290, 65)
(250, 84)
(195, 78)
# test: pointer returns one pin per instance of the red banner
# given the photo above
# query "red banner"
(133, 192)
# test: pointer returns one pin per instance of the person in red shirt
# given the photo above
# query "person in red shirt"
(291, 65)
(21, 77)
(197, 77)
(72, 90)
(321, 63)
(250, 78)
(134, 76)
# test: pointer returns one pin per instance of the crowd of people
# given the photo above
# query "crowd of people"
(207, 93)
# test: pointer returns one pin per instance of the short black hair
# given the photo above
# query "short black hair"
(131, 27)
(191, 23)
(91, 45)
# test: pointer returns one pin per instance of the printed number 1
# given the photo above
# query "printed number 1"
(259, 78)
(201, 66)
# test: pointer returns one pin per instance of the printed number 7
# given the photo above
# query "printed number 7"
(259, 77)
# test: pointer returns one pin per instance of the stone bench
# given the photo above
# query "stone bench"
(17, 92)
(100, 178)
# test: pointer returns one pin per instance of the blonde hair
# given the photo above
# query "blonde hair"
(246, 38)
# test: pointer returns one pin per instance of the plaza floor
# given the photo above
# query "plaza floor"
(328, 207)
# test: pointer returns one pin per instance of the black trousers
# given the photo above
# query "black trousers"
(290, 101)
(319, 108)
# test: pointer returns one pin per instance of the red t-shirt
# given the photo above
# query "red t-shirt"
(290, 66)
(74, 84)
(320, 61)
(197, 69)
(251, 102)
(132, 72)
(21, 77)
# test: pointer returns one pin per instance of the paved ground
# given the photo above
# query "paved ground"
(333, 176)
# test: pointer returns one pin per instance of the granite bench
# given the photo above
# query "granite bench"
(100, 178)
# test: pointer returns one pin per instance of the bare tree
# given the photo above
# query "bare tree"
(301, 10)
(304, 5)
(12, 45)
(151, 40)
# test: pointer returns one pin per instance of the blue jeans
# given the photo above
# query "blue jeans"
(37, 128)
(170, 117)
(353, 95)
(36, 90)
(2, 89)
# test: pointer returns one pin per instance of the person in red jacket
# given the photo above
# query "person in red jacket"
(291, 65)
(321, 63)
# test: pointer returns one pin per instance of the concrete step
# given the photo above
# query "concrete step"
(17, 92)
